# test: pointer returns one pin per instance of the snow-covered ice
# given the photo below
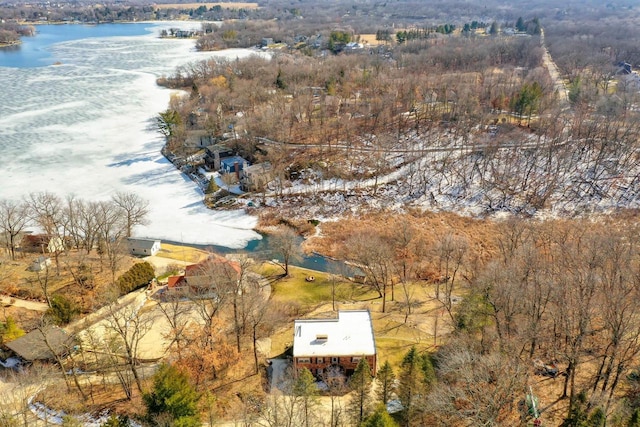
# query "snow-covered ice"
(85, 127)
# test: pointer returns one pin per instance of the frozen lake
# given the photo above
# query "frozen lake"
(85, 126)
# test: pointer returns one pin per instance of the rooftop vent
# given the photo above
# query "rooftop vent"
(322, 337)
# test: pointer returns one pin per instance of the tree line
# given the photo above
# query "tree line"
(74, 223)
(527, 300)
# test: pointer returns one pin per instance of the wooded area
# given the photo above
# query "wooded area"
(521, 310)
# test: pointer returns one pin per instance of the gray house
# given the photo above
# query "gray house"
(42, 344)
(144, 247)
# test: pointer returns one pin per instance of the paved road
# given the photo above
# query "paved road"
(558, 83)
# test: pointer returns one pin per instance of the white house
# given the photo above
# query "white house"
(144, 247)
(321, 344)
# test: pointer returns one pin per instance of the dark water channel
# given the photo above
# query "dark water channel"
(261, 250)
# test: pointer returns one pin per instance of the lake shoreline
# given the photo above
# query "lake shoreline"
(10, 44)
(87, 126)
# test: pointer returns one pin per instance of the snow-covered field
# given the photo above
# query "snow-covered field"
(86, 127)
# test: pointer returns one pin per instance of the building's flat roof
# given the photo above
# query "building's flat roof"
(350, 334)
(231, 160)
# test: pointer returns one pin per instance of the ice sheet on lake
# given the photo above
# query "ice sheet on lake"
(86, 127)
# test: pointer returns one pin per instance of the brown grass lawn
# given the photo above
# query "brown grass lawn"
(182, 253)
(18, 281)
(226, 5)
(369, 39)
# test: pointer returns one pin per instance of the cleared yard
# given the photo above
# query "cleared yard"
(394, 337)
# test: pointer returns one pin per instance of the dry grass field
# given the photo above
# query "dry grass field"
(369, 39)
(229, 5)
(182, 253)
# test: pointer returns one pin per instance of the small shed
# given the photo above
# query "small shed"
(42, 344)
(40, 263)
(143, 247)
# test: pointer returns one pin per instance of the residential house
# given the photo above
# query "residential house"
(143, 247)
(215, 153)
(256, 177)
(326, 345)
(207, 278)
(199, 139)
(42, 243)
(233, 164)
(42, 344)
(624, 68)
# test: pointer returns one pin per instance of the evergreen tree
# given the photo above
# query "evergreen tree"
(634, 421)
(494, 28)
(62, 311)
(597, 418)
(520, 26)
(380, 418)
(306, 392)
(415, 378)
(212, 187)
(10, 330)
(360, 385)
(386, 379)
(577, 413)
(117, 421)
(173, 399)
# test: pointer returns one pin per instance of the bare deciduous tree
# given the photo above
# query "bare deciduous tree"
(286, 243)
(134, 208)
(14, 218)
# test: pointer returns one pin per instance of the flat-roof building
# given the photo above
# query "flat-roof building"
(321, 344)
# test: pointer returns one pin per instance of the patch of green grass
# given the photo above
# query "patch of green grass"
(167, 274)
(296, 289)
(394, 339)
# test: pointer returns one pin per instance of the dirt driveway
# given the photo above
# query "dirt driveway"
(29, 305)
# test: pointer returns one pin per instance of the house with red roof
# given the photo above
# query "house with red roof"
(207, 278)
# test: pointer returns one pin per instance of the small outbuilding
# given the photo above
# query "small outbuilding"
(40, 263)
(143, 247)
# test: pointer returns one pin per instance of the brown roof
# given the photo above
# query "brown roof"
(213, 264)
(174, 281)
(33, 345)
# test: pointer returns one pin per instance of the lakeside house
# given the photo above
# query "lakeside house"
(233, 164)
(143, 247)
(325, 346)
(214, 154)
(206, 278)
(256, 177)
